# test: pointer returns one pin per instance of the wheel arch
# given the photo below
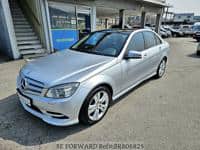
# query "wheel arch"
(103, 84)
(101, 80)
(95, 82)
(165, 58)
(107, 85)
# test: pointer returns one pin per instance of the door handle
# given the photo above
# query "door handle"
(145, 54)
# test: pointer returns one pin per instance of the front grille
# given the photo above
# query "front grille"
(31, 86)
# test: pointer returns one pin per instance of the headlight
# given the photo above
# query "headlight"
(62, 91)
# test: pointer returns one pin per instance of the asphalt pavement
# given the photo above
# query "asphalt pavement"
(163, 114)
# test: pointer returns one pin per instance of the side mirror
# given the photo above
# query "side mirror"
(133, 55)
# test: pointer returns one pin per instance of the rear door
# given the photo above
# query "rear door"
(151, 55)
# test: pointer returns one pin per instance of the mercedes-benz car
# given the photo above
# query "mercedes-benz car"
(79, 84)
(196, 31)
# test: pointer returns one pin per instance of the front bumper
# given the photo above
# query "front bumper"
(58, 112)
(196, 36)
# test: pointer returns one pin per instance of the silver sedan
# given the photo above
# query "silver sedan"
(79, 84)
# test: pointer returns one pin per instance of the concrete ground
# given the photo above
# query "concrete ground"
(163, 114)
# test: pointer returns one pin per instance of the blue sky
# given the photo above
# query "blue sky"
(187, 6)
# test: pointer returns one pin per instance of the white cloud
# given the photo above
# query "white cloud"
(185, 6)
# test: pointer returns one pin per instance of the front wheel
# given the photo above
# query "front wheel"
(95, 106)
(161, 69)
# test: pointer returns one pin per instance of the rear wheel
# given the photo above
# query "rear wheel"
(95, 106)
(161, 69)
(198, 53)
(175, 35)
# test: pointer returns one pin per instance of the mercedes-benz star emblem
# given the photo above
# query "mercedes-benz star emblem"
(23, 84)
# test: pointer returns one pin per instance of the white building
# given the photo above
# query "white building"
(184, 17)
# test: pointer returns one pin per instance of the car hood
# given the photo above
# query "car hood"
(63, 67)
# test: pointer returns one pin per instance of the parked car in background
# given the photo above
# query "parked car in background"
(126, 26)
(168, 32)
(175, 32)
(177, 27)
(187, 30)
(196, 36)
(163, 34)
(196, 31)
(136, 27)
(79, 84)
(150, 28)
(198, 49)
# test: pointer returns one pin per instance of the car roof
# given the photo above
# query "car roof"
(124, 31)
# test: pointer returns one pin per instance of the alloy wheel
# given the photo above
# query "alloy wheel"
(162, 68)
(98, 105)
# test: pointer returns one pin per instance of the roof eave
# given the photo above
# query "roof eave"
(162, 4)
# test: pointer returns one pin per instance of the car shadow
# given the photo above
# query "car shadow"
(194, 55)
(21, 127)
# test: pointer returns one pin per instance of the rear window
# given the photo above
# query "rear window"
(136, 43)
(158, 40)
(149, 39)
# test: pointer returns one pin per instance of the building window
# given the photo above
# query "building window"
(62, 16)
(69, 23)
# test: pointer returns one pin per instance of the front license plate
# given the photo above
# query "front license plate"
(25, 100)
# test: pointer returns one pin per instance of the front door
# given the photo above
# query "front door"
(135, 70)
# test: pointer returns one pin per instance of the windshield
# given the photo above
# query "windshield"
(102, 43)
(196, 28)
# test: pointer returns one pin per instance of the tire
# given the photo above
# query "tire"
(85, 116)
(175, 35)
(161, 69)
(198, 53)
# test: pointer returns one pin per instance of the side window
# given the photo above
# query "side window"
(158, 41)
(149, 39)
(136, 43)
